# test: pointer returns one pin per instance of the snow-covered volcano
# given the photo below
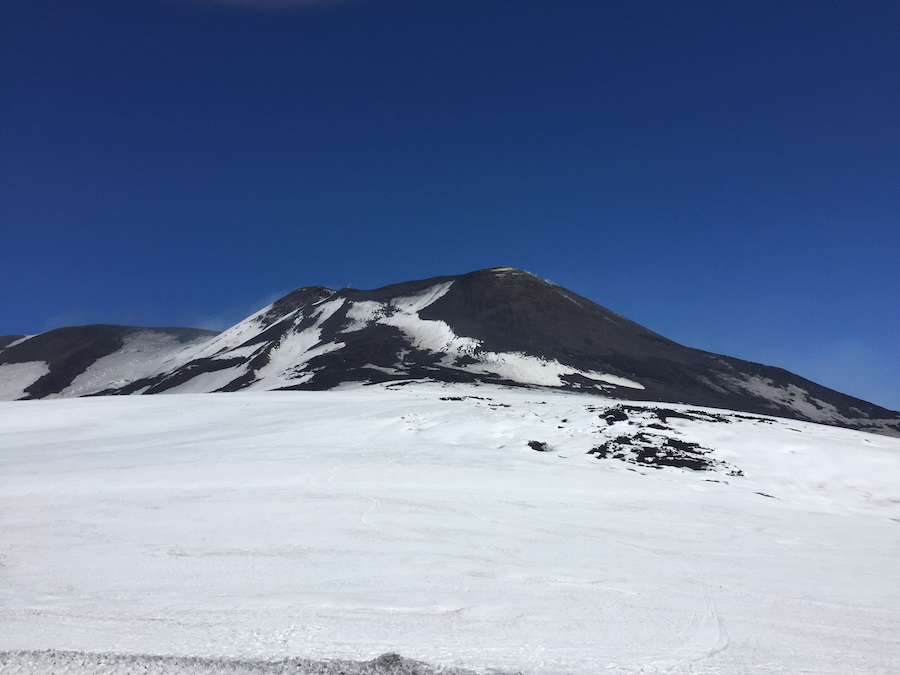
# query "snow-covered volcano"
(500, 326)
(495, 475)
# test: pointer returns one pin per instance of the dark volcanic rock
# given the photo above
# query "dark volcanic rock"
(539, 446)
(646, 440)
(659, 451)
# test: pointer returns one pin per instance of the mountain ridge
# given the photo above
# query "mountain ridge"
(497, 325)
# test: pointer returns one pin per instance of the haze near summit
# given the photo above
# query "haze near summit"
(725, 175)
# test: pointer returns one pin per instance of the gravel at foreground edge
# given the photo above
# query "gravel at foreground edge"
(53, 662)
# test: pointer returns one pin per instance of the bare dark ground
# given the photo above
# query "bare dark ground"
(52, 662)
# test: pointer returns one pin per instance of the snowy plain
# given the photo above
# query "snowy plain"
(416, 519)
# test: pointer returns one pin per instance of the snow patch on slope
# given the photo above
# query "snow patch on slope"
(288, 359)
(143, 354)
(19, 341)
(438, 337)
(428, 335)
(537, 371)
(208, 382)
(793, 396)
(360, 314)
(246, 352)
(237, 336)
(403, 313)
(15, 378)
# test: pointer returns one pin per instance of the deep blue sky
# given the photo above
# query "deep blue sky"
(725, 173)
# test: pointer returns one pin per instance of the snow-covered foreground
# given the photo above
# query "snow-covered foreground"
(417, 520)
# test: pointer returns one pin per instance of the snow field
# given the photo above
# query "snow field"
(416, 520)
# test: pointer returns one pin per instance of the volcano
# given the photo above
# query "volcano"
(486, 473)
(495, 326)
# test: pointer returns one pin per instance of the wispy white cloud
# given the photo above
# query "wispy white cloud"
(235, 313)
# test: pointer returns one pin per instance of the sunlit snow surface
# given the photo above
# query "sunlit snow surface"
(144, 353)
(15, 378)
(417, 519)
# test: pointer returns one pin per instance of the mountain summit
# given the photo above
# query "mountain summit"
(499, 325)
